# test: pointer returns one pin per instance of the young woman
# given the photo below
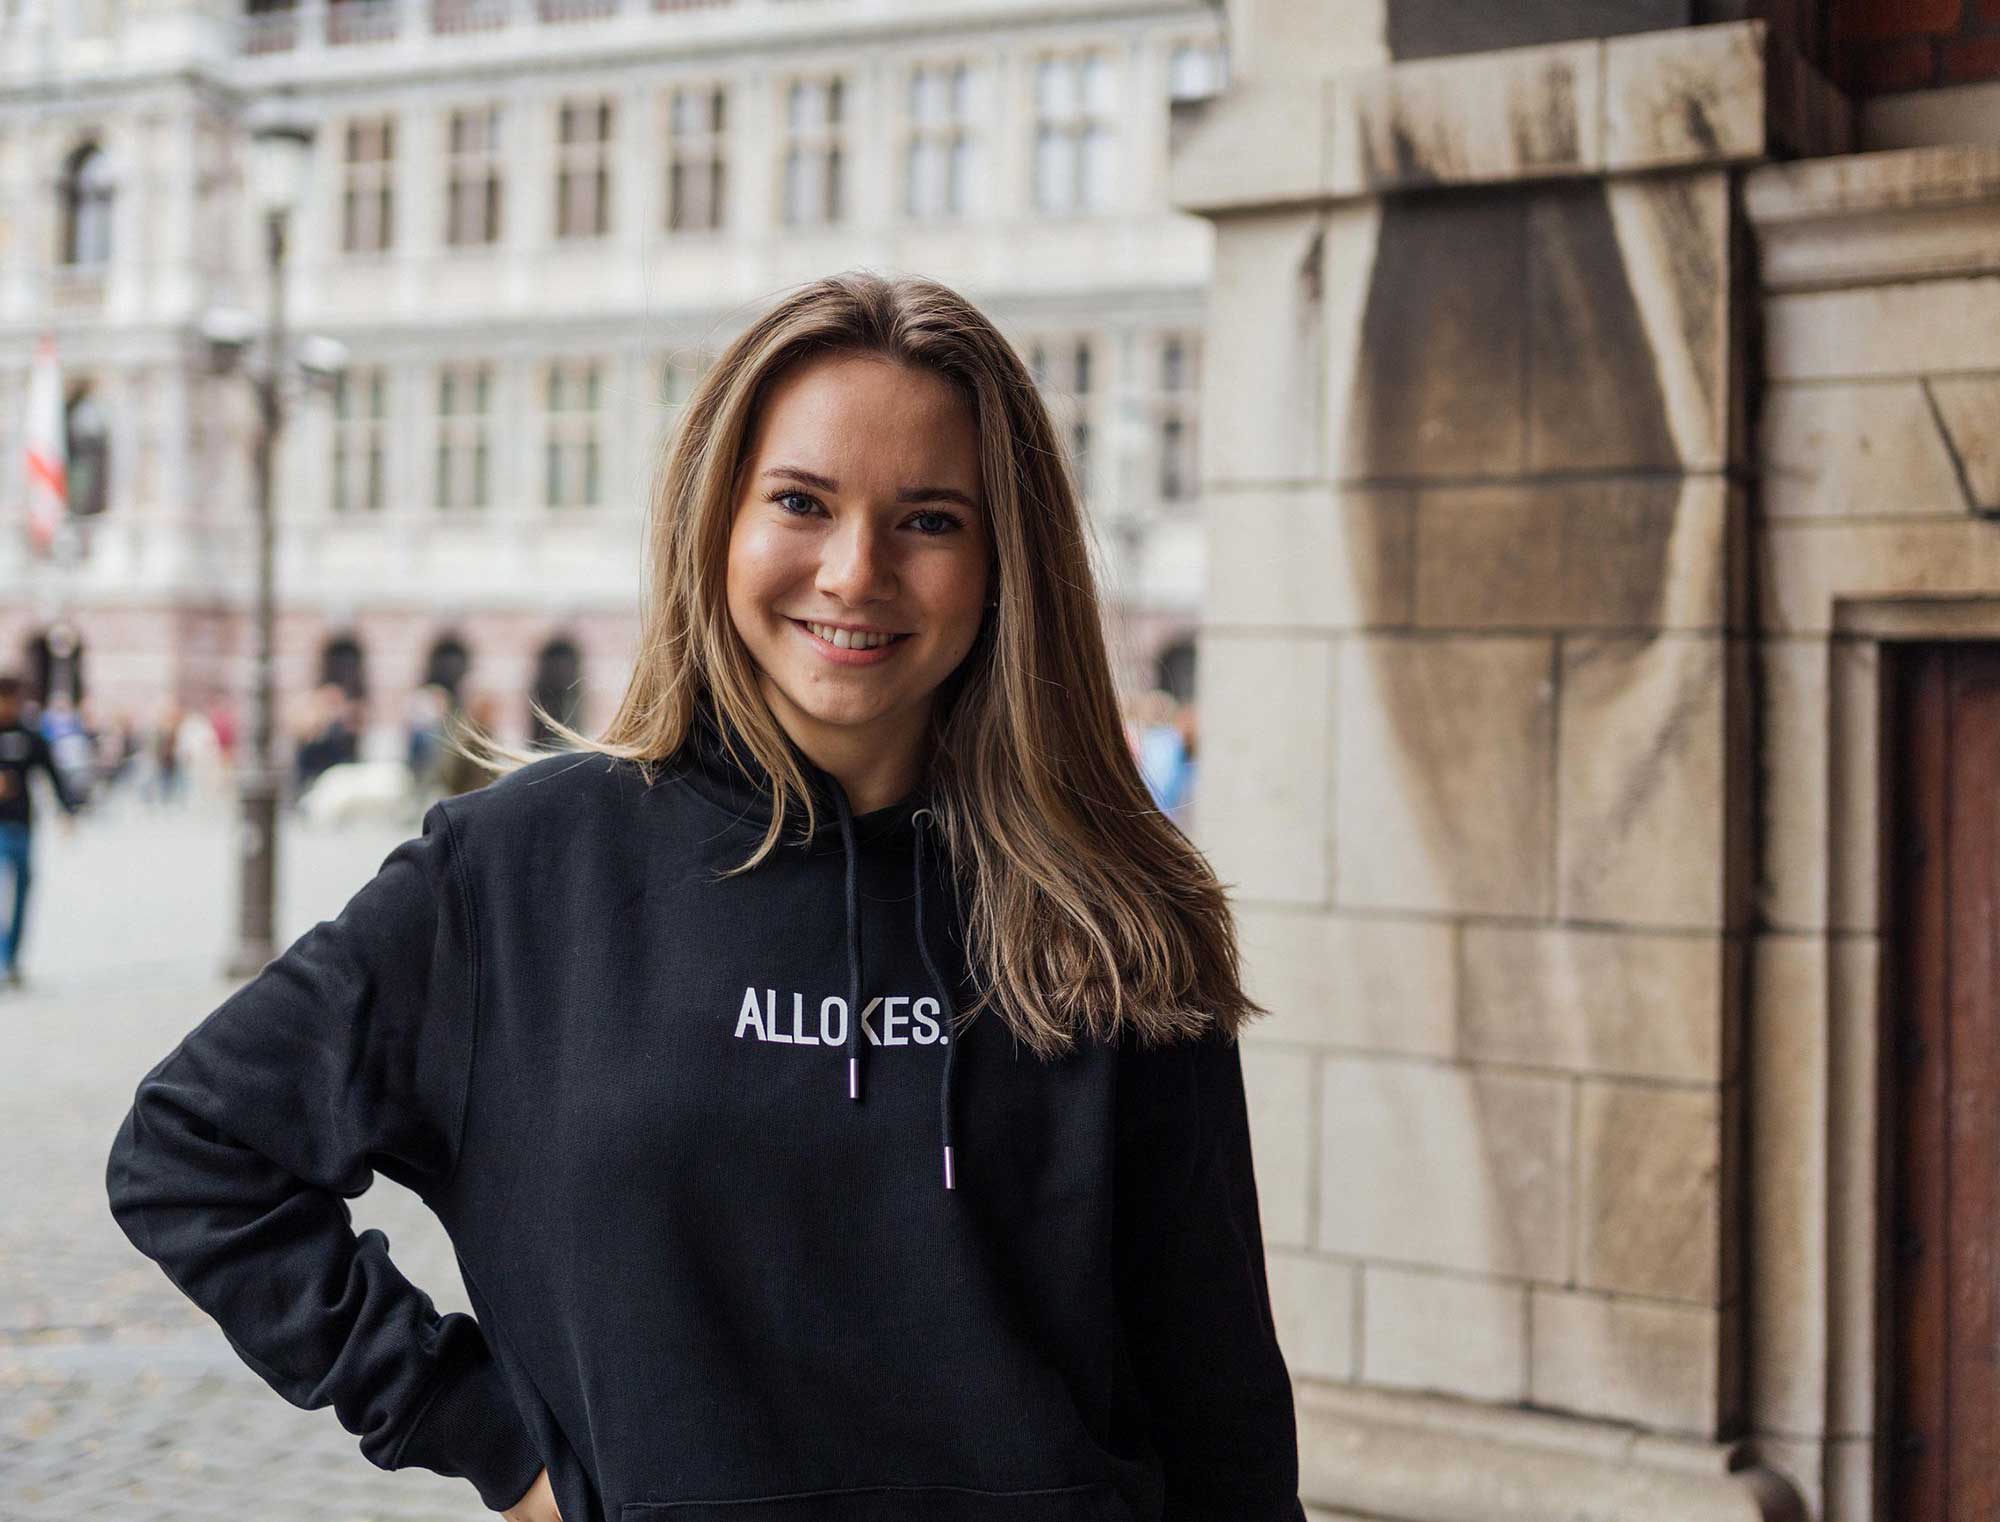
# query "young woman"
(826, 1076)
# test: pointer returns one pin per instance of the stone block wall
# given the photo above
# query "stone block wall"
(1478, 707)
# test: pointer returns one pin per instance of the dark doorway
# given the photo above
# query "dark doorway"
(88, 439)
(558, 688)
(1941, 1085)
(1174, 670)
(55, 663)
(343, 662)
(448, 664)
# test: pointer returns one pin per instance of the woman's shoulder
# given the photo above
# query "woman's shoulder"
(554, 796)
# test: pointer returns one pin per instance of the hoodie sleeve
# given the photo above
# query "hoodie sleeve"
(1195, 1302)
(347, 1055)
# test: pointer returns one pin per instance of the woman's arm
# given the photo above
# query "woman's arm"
(349, 1054)
(1195, 1303)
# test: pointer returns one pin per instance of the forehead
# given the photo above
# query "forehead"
(872, 419)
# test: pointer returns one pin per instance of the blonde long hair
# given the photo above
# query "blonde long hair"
(1087, 910)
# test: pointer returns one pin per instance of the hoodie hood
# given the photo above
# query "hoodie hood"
(740, 785)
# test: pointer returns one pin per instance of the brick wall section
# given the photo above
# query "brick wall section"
(1884, 46)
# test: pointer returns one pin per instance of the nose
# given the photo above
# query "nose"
(855, 566)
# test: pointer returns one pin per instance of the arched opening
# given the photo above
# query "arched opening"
(86, 207)
(55, 663)
(88, 440)
(343, 662)
(1174, 671)
(448, 663)
(558, 687)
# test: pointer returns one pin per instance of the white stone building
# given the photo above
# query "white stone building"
(529, 221)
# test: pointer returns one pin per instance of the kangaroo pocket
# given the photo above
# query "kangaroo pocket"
(897, 1503)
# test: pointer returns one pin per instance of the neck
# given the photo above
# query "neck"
(876, 765)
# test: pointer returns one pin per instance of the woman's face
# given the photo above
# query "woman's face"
(861, 511)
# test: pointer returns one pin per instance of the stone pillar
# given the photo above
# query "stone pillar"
(1478, 734)
(1878, 524)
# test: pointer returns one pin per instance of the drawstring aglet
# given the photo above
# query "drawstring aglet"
(853, 1077)
(949, 1181)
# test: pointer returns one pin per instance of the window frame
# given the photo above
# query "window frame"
(368, 186)
(825, 140)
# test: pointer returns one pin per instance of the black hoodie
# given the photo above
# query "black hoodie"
(733, 1257)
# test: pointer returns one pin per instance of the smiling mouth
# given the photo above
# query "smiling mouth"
(848, 639)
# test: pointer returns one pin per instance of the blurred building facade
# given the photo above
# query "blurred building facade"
(1603, 463)
(531, 222)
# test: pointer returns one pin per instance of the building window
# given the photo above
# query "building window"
(571, 447)
(696, 120)
(813, 190)
(368, 174)
(472, 177)
(939, 167)
(360, 439)
(583, 169)
(144, 400)
(1196, 70)
(1075, 145)
(1174, 411)
(464, 446)
(1062, 368)
(214, 187)
(86, 208)
(87, 450)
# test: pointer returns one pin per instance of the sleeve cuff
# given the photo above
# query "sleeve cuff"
(472, 1430)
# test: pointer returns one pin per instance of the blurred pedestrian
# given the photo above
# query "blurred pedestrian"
(1160, 748)
(457, 771)
(423, 733)
(22, 750)
(118, 748)
(62, 726)
(222, 717)
(163, 781)
(331, 736)
(1188, 718)
(198, 756)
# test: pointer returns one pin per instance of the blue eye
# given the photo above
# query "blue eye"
(931, 522)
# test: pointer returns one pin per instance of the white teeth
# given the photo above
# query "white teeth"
(847, 639)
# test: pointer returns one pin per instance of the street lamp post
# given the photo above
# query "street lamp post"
(280, 149)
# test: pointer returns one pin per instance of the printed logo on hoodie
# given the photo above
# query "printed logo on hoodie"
(902, 1020)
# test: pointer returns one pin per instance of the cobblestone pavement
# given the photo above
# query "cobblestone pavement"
(119, 1399)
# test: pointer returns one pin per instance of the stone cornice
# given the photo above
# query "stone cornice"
(1875, 218)
(1703, 95)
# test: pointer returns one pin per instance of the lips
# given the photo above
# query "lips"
(849, 639)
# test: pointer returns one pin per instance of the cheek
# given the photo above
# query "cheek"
(957, 596)
(758, 569)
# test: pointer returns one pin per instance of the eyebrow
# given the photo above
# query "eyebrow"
(907, 494)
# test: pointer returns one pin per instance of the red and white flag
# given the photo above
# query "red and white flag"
(47, 451)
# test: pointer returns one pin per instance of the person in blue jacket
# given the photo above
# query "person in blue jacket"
(827, 1075)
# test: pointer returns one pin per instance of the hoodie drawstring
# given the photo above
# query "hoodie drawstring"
(923, 950)
(853, 945)
(944, 996)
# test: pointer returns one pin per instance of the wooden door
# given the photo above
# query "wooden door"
(1942, 1087)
